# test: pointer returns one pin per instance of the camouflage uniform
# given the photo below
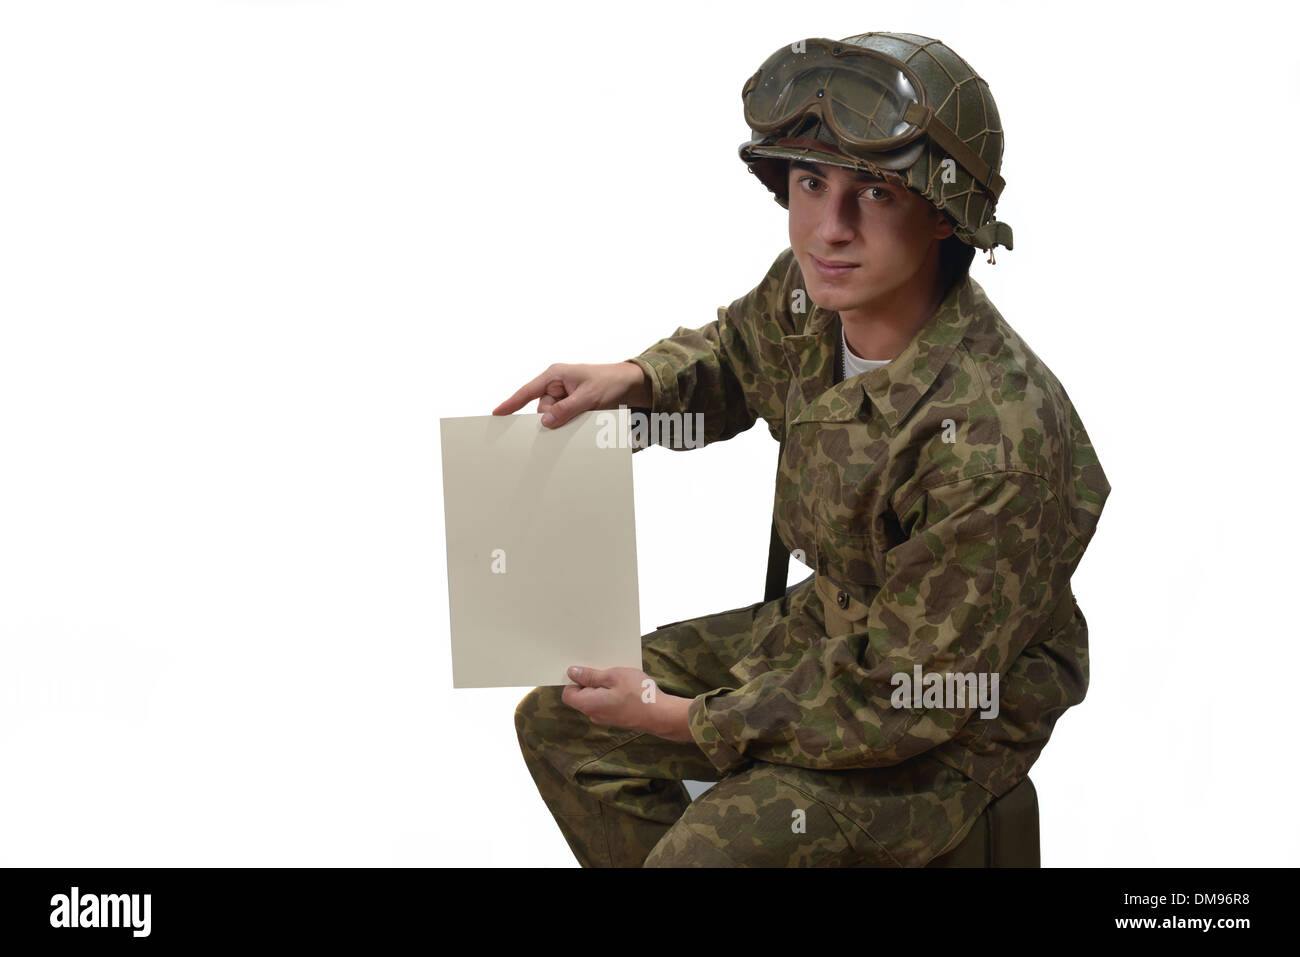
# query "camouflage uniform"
(944, 501)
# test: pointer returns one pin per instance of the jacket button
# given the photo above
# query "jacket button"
(842, 599)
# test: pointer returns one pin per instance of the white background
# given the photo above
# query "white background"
(250, 252)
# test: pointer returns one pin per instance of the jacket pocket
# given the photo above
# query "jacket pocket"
(844, 614)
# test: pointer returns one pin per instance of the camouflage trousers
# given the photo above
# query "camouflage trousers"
(618, 798)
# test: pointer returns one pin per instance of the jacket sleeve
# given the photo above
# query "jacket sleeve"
(732, 371)
(976, 577)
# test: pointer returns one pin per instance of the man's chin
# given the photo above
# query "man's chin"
(833, 298)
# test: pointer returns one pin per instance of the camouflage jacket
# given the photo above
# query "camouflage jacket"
(944, 501)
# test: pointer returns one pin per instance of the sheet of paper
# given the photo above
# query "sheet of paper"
(541, 547)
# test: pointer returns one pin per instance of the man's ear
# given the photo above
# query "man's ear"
(943, 226)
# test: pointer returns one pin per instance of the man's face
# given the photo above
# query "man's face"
(888, 236)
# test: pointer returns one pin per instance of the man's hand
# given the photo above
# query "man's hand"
(564, 391)
(627, 698)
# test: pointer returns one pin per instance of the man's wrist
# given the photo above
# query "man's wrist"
(640, 392)
(671, 718)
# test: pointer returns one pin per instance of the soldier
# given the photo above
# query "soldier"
(934, 474)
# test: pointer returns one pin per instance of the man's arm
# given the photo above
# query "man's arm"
(732, 370)
(973, 582)
(673, 721)
(640, 392)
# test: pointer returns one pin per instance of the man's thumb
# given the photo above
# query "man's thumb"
(557, 413)
(587, 677)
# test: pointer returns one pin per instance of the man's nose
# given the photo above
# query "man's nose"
(837, 223)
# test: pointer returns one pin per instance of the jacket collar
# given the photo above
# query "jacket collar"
(893, 389)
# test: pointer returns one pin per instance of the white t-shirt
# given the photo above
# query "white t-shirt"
(854, 364)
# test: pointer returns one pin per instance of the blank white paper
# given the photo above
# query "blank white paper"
(541, 547)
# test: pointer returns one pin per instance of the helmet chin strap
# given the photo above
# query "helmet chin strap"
(992, 233)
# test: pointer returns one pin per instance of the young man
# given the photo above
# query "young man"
(934, 475)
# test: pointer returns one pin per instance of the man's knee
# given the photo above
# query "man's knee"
(538, 713)
(544, 721)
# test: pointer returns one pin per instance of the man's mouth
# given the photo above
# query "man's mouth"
(830, 269)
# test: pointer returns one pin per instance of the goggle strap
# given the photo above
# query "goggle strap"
(951, 144)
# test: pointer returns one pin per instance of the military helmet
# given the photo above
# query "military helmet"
(897, 105)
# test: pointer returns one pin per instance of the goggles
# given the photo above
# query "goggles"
(873, 104)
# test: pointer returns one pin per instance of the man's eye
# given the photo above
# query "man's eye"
(807, 181)
(877, 193)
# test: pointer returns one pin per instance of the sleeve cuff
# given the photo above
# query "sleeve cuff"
(720, 754)
(663, 382)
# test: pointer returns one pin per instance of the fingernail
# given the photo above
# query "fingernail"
(548, 419)
(575, 673)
